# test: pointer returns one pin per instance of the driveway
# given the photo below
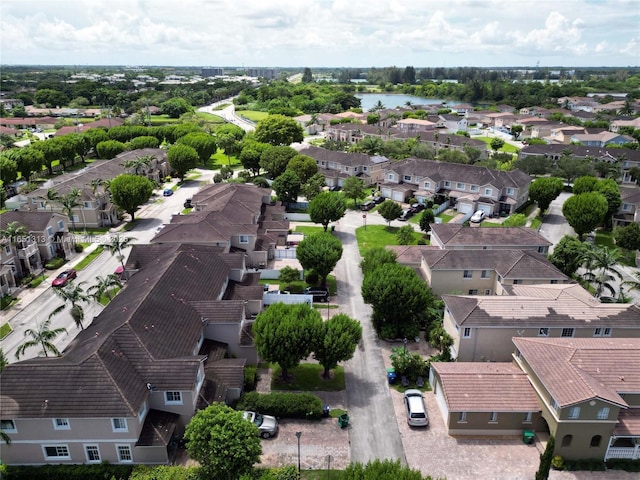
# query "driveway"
(554, 225)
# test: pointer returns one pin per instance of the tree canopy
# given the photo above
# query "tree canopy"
(545, 190)
(275, 159)
(372, 258)
(354, 189)
(327, 207)
(628, 237)
(426, 219)
(337, 340)
(287, 187)
(585, 211)
(278, 130)
(128, 192)
(390, 210)
(182, 158)
(304, 166)
(320, 253)
(567, 255)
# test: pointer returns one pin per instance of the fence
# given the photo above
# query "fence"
(289, 299)
(441, 208)
(281, 253)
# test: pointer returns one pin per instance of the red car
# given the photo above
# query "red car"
(62, 279)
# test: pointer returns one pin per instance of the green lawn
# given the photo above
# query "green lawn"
(219, 159)
(373, 236)
(5, 330)
(507, 148)
(308, 230)
(163, 119)
(89, 258)
(210, 117)
(253, 115)
(307, 377)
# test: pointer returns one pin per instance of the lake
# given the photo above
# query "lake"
(393, 100)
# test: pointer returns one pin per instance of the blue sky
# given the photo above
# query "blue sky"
(321, 33)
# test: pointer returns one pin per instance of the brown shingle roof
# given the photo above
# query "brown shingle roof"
(486, 387)
(157, 429)
(32, 221)
(453, 235)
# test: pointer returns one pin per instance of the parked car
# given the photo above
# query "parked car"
(366, 206)
(406, 214)
(187, 203)
(416, 411)
(266, 287)
(267, 425)
(278, 292)
(320, 294)
(167, 192)
(417, 207)
(477, 217)
(62, 279)
(378, 199)
(335, 188)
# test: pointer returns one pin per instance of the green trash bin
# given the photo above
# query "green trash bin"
(528, 436)
(343, 420)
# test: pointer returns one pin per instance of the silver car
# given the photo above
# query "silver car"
(416, 411)
(267, 425)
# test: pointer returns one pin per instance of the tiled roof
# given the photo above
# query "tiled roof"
(219, 311)
(574, 370)
(32, 221)
(410, 254)
(628, 423)
(453, 235)
(157, 429)
(486, 387)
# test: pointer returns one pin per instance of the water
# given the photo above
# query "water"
(392, 100)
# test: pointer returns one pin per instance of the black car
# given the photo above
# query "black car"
(378, 199)
(320, 294)
(366, 206)
(417, 207)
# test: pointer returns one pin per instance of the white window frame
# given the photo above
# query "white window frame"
(474, 188)
(510, 191)
(466, 332)
(568, 332)
(96, 449)
(487, 291)
(61, 424)
(554, 404)
(528, 417)
(407, 178)
(116, 428)
(602, 332)
(603, 413)
(12, 429)
(460, 185)
(118, 453)
(574, 413)
(56, 446)
(462, 417)
(488, 192)
(493, 417)
(473, 291)
(447, 183)
(50, 231)
(142, 412)
(467, 274)
(7, 249)
(427, 184)
(485, 274)
(60, 225)
(244, 239)
(176, 397)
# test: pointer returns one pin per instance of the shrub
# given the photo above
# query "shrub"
(250, 378)
(422, 241)
(165, 472)
(557, 462)
(296, 287)
(54, 263)
(79, 248)
(260, 182)
(312, 278)
(68, 472)
(217, 178)
(283, 404)
(244, 174)
(36, 281)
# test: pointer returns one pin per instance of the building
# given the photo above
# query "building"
(457, 237)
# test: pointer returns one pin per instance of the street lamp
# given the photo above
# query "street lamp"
(298, 434)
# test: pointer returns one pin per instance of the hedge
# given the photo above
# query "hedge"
(68, 472)
(283, 404)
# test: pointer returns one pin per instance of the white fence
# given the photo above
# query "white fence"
(298, 217)
(281, 253)
(269, 298)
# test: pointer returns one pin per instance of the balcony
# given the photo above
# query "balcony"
(28, 251)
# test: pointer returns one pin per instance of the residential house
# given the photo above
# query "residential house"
(468, 272)
(583, 391)
(337, 166)
(453, 122)
(313, 124)
(600, 139)
(415, 125)
(482, 326)
(616, 125)
(455, 236)
(10, 103)
(107, 122)
(468, 187)
(24, 123)
(629, 210)
(124, 389)
(235, 217)
(564, 133)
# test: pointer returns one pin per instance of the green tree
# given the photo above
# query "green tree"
(608, 188)
(545, 460)
(584, 184)
(319, 252)
(372, 258)
(534, 164)
(545, 190)
(440, 339)
(381, 469)
(42, 337)
(353, 188)
(569, 167)
(287, 187)
(286, 334)
(405, 235)
(313, 187)
(73, 295)
(278, 130)
(426, 219)
(110, 149)
(289, 274)
(174, 107)
(628, 237)
(128, 192)
(275, 159)
(516, 130)
(390, 210)
(399, 299)
(203, 143)
(568, 254)
(117, 245)
(600, 263)
(634, 173)
(496, 144)
(585, 212)
(182, 158)
(69, 201)
(229, 145)
(146, 141)
(104, 286)
(226, 445)
(307, 76)
(51, 197)
(250, 155)
(633, 284)
(327, 207)
(8, 170)
(138, 163)
(30, 160)
(337, 340)
(304, 166)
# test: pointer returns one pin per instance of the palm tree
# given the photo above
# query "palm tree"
(103, 286)
(95, 184)
(116, 246)
(72, 294)
(51, 197)
(42, 337)
(69, 201)
(633, 284)
(138, 162)
(600, 263)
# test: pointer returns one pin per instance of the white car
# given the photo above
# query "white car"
(267, 425)
(477, 217)
(416, 411)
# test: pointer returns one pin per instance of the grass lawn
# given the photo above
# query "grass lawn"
(5, 330)
(307, 377)
(90, 258)
(6, 302)
(507, 148)
(308, 230)
(445, 218)
(219, 160)
(373, 236)
(535, 223)
(104, 299)
(210, 117)
(163, 119)
(253, 115)
(605, 239)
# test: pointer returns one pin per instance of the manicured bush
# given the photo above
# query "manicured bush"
(79, 248)
(250, 378)
(623, 464)
(69, 472)
(296, 287)
(260, 182)
(54, 263)
(286, 405)
(312, 278)
(164, 472)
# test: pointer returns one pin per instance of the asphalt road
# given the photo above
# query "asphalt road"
(554, 225)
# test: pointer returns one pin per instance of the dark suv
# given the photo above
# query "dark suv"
(320, 294)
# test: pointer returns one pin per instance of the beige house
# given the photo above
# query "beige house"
(629, 210)
(175, 339)
(482, 326)
(451, 236)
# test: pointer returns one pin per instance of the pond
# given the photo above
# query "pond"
(393, 100)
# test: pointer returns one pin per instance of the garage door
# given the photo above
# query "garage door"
(386, 192)
(464, 207)
(398, 196)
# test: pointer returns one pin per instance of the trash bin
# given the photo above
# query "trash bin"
(391, 375)
(343, 420)
(325, 411)
(528, 437)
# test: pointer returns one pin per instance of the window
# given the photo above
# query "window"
(87, 205)
(7, 249)
(554, 404)
(566, 440)
(510, 191)
(364, 169)
(173, 398)
(553, 282)
(528, 417)
(466, 333)
(8, 426)
(391, 176)
(407, 178)
(626, 207)
(567, 332)
(542, 249)
(462, 417)
(460, 185)
(75, 218)
(602, 332)
(484, 274)
(93, 453)
(244, 238)
(346, 169)
(543, 332)
(60, 225)
(603, 413)
(474, 188)
(447, 183)
(595, 440)
(487, 291)
(473, 291)
(574, 412)
(50, 231)
(61, 424)
(142, 412)
(124, 453)
(493, 417)
(56, 452)
(119, 424)
(427, 184)
(517, 281)
(488, 192)
(467, 274)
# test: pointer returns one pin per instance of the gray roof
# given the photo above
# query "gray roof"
(31, 220)
(456, 235)
(342, 158)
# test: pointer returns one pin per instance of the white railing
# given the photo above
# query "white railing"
(622, 452)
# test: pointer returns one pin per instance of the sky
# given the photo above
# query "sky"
(321, 33)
